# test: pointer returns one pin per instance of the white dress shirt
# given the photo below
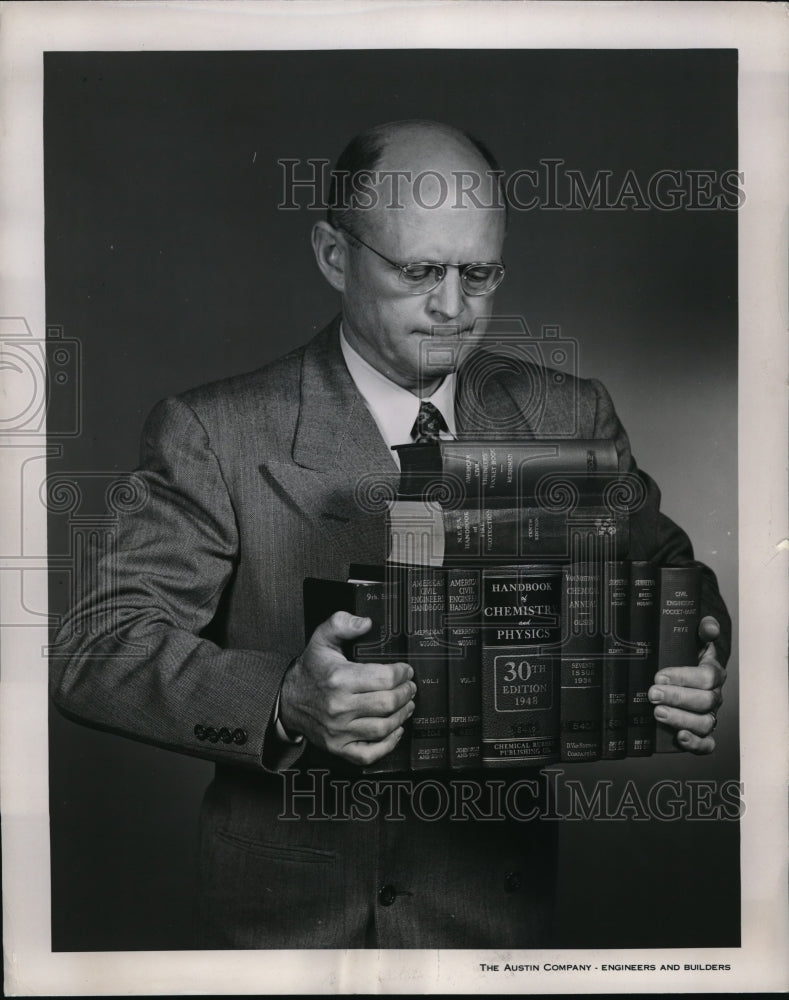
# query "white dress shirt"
(394, 408)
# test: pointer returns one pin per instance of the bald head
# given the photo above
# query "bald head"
(422, 165)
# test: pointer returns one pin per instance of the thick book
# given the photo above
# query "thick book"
(464, 666)
(513, 469)
(425, 533)
(679, 613)
(521, 638)
(581, 662)
(643, 611)
(423, 603)
(380, 644)
(616, 650)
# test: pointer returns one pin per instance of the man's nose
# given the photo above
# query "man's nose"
(447, 299)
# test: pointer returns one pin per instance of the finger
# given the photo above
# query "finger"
(380, 704)
(707, 675)
(376, 728)
(709, 629)
(366, 753)
(695, 744)
(339, 628)
(700, 725)
(690, 699)
(361, 677)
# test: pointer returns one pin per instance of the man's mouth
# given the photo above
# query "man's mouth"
(446, 333)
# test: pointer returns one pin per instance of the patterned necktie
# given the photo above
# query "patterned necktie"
(428, 425)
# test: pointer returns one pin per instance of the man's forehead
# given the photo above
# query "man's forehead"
(442, 232)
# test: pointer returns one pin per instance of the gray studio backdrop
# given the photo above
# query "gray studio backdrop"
(170, 263)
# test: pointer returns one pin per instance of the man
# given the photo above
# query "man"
(249, 485)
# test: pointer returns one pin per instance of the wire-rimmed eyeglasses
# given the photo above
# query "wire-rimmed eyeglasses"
(420, 277)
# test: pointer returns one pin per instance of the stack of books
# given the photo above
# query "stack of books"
(508, 589)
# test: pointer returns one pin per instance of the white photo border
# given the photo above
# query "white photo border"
(758, 32)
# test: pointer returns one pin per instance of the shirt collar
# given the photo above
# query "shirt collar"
(394, 408)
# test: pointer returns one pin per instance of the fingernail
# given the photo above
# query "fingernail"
(360, 622)
(661, 713)
(410, 673)
(413, 689)
(655, 695)
(662, 679)
(684, 737)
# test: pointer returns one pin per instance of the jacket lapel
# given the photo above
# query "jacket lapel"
(341, 470)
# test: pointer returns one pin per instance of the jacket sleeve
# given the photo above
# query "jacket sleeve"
(129, 656)
(653, 536)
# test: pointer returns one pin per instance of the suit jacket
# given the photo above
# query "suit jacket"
(185, 630)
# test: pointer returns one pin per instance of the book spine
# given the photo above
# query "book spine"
(581, 663)
(613, 723)
(464, 664)
(426, 652)
(527, 532)
(381, 644)
(503, 468)
(644, 592)
(422, 533)
(679, 616)
(521, 635)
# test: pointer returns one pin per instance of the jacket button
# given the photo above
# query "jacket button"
(513, 881)
(212, 734)
(239, 736)
(387, 894)
(225, 735)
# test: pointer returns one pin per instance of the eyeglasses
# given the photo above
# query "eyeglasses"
(423, 276)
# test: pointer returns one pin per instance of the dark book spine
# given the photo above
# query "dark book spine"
(426, 651)
(582, 663)
(503, 468)
(464, 666)
(644, 593)
(679, 616)
(381, 644)
(422, 533)
(616, 612)
(521, 636)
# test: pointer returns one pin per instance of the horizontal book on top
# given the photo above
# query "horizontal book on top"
(511, 469)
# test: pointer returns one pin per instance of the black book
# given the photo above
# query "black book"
(423, 532)
(616, 651)
(423, 604)
(679, 613)
(464, 666)
(644, 594)
(521, 636)
(582, 662)
(516, 470)
(372, 599)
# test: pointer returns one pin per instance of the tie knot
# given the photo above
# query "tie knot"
(428, 425)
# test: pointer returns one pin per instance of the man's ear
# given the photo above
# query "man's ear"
(330, 252)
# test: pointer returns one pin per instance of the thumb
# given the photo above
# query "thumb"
(340, 627)
(709, 629)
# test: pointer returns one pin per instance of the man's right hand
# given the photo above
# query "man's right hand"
(354, 710)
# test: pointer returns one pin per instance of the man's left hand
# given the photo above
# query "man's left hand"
(688, 698)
